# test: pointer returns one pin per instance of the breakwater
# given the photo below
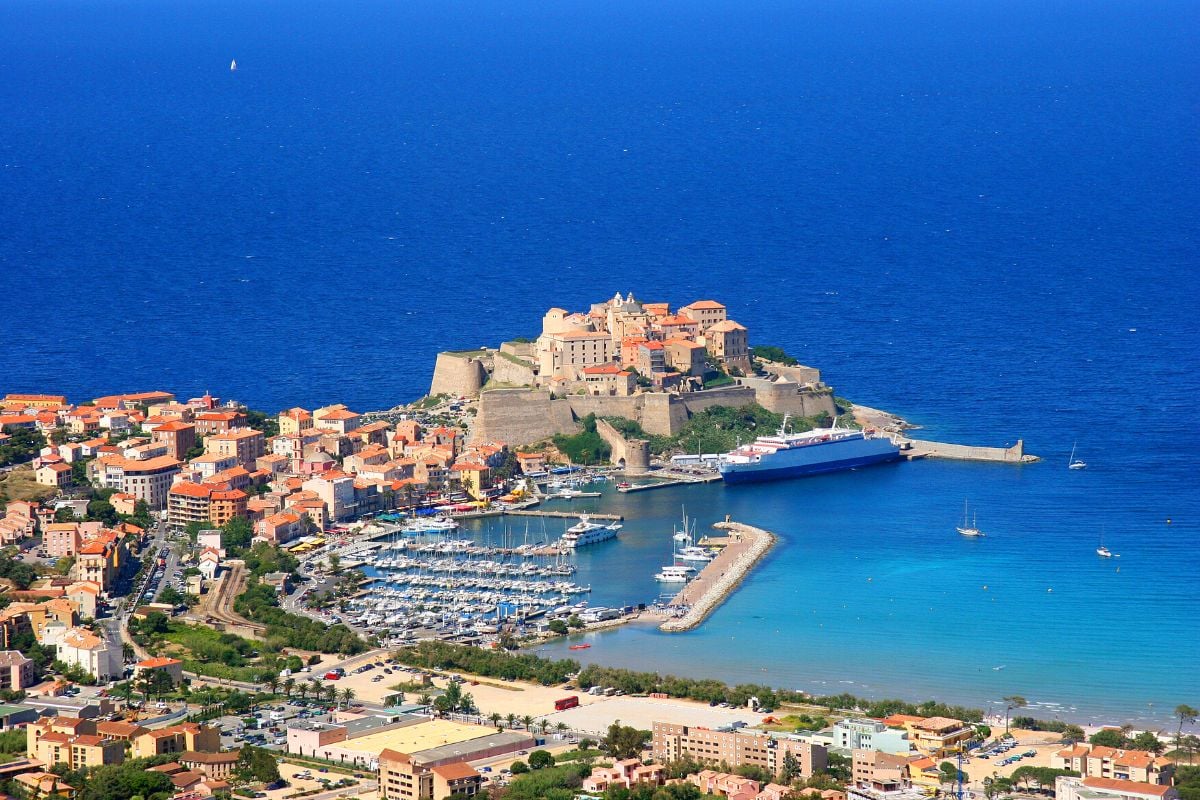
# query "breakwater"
(743, 548)
(922, 448)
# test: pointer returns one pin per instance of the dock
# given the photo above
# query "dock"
(743, 548)
(913, 449)
(564, 515)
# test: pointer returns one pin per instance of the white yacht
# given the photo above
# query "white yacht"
(675, 574)
(1075, 463)
(693, 553)
(586, 532)
(969, 528)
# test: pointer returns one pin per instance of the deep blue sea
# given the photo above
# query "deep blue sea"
(981, 215)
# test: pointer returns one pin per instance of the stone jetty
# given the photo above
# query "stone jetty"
(743, 548)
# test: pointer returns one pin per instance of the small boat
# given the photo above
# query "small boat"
(579, 647)
(1103, 551)
(675, 574)
(233, 65)
(969, 528)
(1075, 463)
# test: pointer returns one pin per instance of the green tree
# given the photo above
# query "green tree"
(236, 534)
(574, 621)
(103, 511)
(1187, 716)
(256, 764)
(624, 741)
(1011, 702)
(171, 596)
(557, 626)
(519, 768)
(1146, 740)
(63, 565)
(540, 759)
(1108, 737)
(790, 770)
(1072, 734)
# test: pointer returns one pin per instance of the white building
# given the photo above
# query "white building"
(870, 734)
(96, 656)
(1066, 788)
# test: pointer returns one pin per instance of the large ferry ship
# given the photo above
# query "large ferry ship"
(791, 455)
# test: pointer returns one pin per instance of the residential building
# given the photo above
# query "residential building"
(218, 422)
(57, 475)
(1109, 762)
(651, 358)
(210, 464)
(171, 667)
(211, 765)
(706, 313)
(880, 771)
(608, 380)
(338, 419)
(532, 463)
(51, 401)
(280, 528)
(336, 490)
(724, 784)
(869, 734)
(225, 504)
(178, 436)
(400, 778)
(98, 657)
(474, 478)
(244, 444)
(121, 731)
(686, 357)
(77, 752)
(188, 502)
(940, 736)
(628, 773)
(565, 354)
(736, 748)
(16, 671)
(187, 736)
(294, 420)
(148, 480)
(1080, 788)
(38, 785)
(61, 539)
(727, 342)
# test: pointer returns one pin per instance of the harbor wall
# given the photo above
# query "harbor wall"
(1016, 454)
(792, 398)
(459, 374)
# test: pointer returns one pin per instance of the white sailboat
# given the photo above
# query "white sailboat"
(233, 65)
(1075, 463)
(1103, 551)
(969, 528)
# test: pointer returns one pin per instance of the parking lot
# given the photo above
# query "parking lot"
(267, 725)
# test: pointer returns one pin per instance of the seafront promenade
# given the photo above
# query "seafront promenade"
(743, 548)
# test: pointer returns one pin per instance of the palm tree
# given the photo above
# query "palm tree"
(511, 719)
(1011, 702)
(347, 696)
(526, 722)
(127, 652)
(495, 718)
(561, 727)
(302, 690)
(273, 683)
(288, 685)
(1187, 716)
(331, 693)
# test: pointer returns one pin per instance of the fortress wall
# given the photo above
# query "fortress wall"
(525, 350)
(521, 416)
(603, 405)
(798, 373)
(789, 398)
(506, 370)
(732, 396)
(635, 453)
(458, 374)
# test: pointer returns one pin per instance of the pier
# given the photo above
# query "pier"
(564, 515)
(742, 549)
(913, 449)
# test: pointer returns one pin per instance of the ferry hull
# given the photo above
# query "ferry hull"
(754, 473)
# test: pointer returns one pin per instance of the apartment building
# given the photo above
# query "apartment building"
(1095, 761)
(736, 748)
(178, 436)
(244, 444)
(400, 778)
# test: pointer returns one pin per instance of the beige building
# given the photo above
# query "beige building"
(608, 380)
(244, 444)
(61, 539)
(879, 771)
(16, 671)
(148, 480)
(402, 779)
(187, 736)
(1079, 788)
(728, 342)
(171, 667)
(940, 736)
(294, 420)
(672, 742)
(565, 355)
(706, 313)
(1095, 761)
(58, 474)
(338, 419)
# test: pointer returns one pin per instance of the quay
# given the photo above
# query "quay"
(913, 449)
(743, 548)
(563, 515)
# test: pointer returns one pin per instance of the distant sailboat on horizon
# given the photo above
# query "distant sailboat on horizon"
(233, 65)
(1075, 463)
(969, 527)
(1103, 551)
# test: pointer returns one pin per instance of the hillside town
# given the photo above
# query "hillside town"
(181, 614)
